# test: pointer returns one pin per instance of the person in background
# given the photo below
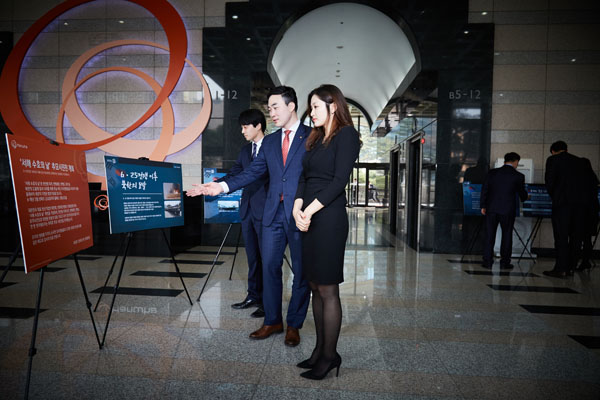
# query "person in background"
(499, 205)
(591, 214)
(320, 212)
(565, 181)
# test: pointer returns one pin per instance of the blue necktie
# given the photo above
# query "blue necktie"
(254, 150)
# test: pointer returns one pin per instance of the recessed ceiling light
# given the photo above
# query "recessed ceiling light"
(121, 21)
(496, 54)
(248, 38)
(212, 56)
(484, 13)
(466, 32)
(65, 23)
(501, 95)
(573, 59)
(234, 17)
(339, 47)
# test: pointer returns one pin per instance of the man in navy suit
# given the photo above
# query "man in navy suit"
(281, 156)
(499, 205)
(252, 207)
(565, 179)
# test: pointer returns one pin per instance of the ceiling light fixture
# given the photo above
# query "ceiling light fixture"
(121, 21)
(247, 38)
(466, 32)
(573, 59)
(484, 13)
(234, 17)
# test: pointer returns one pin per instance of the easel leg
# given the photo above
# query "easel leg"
(237, 245)
(116, 288)
(12, 259)
(176, 267)
(110, 272)
(88, 304)
(32, 349)
(473, 239)
(523, 243)
(531, 238)
(214, 261)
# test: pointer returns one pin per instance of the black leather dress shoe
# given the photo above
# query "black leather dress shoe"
(246, 304)
(556, 274)
(259, 313)
(506, 266)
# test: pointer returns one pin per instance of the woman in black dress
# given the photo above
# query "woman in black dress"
(320, 212)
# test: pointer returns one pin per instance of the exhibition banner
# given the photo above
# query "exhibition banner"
(471, 198)
(539, 203)
(222, 209)
(143, 194)
(53, 203)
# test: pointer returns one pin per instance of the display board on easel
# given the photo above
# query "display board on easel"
(52, 199)
(143, 194)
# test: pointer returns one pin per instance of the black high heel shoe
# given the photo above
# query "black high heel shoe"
(306, 364)
(336, 363)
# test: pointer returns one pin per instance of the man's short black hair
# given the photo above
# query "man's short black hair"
(253, 117)
(558, 146)
(287, 93)
(511, 157)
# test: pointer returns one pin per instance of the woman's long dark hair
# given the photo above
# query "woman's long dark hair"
(330, 94)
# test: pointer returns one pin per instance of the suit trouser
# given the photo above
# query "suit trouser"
(507, 222)
(275, 238)
(568, 222)
(252, 233)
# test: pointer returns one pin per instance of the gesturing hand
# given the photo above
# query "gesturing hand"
(196, 190)
(206, 189)
(212, 189)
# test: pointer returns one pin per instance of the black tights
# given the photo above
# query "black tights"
(327, 311)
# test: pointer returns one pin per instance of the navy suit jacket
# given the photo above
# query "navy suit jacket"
(565, 179)
(282, 180)
(254, 195)
(498, 194)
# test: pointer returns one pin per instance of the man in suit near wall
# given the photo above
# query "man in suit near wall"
(281, 156)
(590, 224)
(566, 181)
(252, 206)
(499, 205)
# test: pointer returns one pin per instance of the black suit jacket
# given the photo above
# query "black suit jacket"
(565, 179)
(500, 188)
(253, 195)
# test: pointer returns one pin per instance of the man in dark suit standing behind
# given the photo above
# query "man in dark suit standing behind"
(252, 205)
(499, 205)
(566, 181)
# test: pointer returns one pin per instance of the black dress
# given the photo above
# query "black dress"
(326, 169)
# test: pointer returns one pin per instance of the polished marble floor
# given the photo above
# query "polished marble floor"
(415, 326)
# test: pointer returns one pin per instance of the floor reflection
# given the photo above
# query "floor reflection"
(415, 325)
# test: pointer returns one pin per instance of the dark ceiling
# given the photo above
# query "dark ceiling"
(438, 28)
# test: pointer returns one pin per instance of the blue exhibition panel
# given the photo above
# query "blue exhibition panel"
(539, 203)
(222, 209)
(143, 194)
